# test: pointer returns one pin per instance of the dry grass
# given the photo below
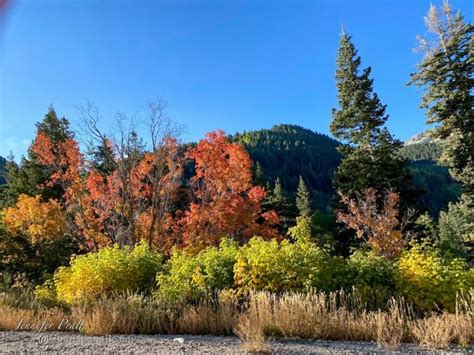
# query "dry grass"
(438, 331)
(392, 325)
(208, 318)
(463, 329)
(254, 318)
(125, 315)
(40, 320)
(435, 332)
(252, 324)
(23, 312)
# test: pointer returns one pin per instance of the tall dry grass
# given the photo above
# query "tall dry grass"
(21, 311)
(255, 318)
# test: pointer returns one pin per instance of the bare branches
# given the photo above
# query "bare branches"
(137, 188)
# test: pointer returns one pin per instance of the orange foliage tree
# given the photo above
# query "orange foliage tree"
(64, 161)
(37, 220)
(224, 202)
(377, 222)
(134, 201)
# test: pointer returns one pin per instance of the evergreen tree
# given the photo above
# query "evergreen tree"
(456, 229)
(30, 176)
(446, 74)
(303, 199)
(55, 128)
(279, 201)
(103, 160)
(259, 176)
(370, 153)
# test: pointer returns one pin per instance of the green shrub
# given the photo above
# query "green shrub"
(280, 266)
(456, 229)
(429, 281)
(111, 269)
(372, 276)
(192, 278)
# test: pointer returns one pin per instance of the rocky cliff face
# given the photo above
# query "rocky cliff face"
(422, 137)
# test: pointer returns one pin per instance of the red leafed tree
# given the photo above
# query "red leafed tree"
(224, 203)
(376, 220)
(64, 161)
(135, 200)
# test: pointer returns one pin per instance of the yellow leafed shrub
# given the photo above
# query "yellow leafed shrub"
(428, 281)
(111, 269)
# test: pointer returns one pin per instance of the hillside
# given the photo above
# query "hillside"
(288, 151)
(431, 177)
(422, 151)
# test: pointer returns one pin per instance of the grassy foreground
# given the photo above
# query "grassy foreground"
(254, 318)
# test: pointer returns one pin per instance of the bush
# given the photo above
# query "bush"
(280, 266)
(372, 276)
(192, 278)
(112, 269)
(456, 229)
(429, 281)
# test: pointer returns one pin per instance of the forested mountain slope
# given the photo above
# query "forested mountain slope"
(288, 151)
(431, 177)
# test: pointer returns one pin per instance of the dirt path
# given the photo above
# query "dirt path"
(74, 342)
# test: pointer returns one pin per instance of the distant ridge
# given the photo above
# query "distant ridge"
(420, 138)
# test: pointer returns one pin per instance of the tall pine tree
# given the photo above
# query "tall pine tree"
(446, 74)
(370, 153)
(303, 199)
(279, 201)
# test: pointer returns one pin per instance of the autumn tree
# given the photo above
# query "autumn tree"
(38, 220)
(224, 201)
(131, 189)
(34, 239)
(32, 176)
(379, 226)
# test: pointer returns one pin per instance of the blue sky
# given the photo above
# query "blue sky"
(234, 65)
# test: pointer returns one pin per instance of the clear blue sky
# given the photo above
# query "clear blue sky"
(235, 65)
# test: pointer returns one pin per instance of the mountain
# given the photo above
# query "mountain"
(437, 184)
(288, 151)
(429, 175)
(422, 137)
(429, 150)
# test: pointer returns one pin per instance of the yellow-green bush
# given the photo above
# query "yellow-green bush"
(280, 266)
(366, 268)
(191, 278)
(111, 269)
(372, 276)
(428, 281)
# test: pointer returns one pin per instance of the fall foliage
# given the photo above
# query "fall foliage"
(224, 201)
(380, 227)
(35, 219)
(64, 161)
